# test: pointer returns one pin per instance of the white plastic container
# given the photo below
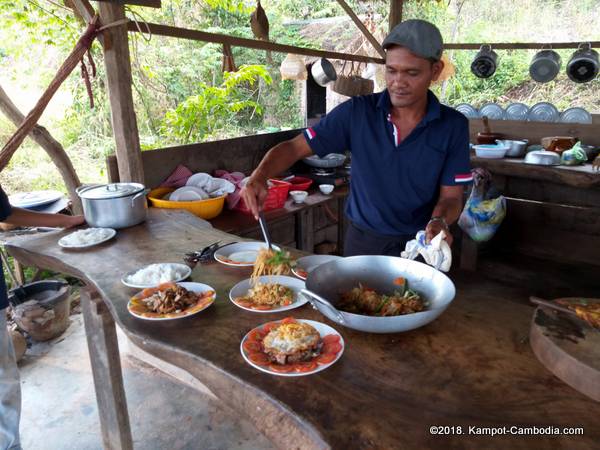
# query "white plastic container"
(491, 151)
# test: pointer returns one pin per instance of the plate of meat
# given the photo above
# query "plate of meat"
(170, 301)
(292, 347)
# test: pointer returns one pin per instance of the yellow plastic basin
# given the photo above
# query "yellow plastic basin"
(206, 209)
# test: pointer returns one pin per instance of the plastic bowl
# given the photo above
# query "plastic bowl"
(490, 151)
(300, 183)
(206, 209)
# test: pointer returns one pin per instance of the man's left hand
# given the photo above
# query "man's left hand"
(434, 227)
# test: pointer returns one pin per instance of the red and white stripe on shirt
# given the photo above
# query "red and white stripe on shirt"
(463, 178)
(310, 133)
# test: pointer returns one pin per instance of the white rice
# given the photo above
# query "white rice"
(88, 236)
(155, 274)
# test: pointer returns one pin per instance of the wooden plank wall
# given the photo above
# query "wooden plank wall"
(239, 154)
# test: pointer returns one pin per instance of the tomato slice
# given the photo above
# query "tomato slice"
(148, 292)
(267, 327)
(333, 347)
(256, 335)
(165, 286)
(244, 303)
(325, 358)
(282, 368)
(261, 307)
(288, 320)
(331, 339)
(306, 366)
(259, 358)
(206, 294)
(400, 281)
(251, 346)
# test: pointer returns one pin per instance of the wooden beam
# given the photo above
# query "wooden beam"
(85, 9)
(195, 35)
(517, 46)
(118, 74)
(376, 45)
(395, 12)
(149, 3)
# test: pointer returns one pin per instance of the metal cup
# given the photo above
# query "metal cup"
(485, 63)
(545, 66)
(583, 65)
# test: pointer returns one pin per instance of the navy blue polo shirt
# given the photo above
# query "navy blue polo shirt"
(394, 185)
(5, 211)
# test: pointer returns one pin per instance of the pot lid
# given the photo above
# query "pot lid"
(112, 190)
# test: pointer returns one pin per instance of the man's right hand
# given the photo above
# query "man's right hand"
(254, 193)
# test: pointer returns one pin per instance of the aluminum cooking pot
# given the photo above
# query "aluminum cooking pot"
(584, 64)
(545, 65)
(323, 72)
(516, 148)
(114, 205)
(485, 63)
(330, 280)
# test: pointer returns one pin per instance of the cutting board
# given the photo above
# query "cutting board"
(568, 347)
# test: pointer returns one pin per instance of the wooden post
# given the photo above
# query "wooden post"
(305, 233)
(395, 12)
(106, 369)
(118, 73)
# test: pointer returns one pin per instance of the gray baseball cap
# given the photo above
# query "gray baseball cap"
(419, 36)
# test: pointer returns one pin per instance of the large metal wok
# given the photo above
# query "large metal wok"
(328, 281)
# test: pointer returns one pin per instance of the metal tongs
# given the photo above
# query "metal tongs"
(204, 255)
(265, 231)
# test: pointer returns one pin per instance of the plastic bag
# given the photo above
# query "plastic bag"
(485, 210)
(574, 156)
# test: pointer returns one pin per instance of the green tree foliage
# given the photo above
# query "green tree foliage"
(234, 102)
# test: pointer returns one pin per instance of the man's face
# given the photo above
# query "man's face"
(408, 77)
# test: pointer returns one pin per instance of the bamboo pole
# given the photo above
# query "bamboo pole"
(376, 45)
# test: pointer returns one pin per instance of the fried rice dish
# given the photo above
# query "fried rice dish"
(267, 296)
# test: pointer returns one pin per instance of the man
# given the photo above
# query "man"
(410, 154)
(10, 388)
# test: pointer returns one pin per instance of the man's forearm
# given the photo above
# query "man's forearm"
(449, 209)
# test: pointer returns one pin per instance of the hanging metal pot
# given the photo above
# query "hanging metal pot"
(583, 65)
(323, 72)
(545, 66)
(485, 63)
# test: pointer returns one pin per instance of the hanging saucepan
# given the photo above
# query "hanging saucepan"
(485, 63)
(323, 72)
(545, 66)
(326, 284)
(583, 65)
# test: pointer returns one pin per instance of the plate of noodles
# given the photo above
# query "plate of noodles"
(268, 293)
(244, 254)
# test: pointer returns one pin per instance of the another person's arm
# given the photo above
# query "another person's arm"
(277, 160)
(26, 218)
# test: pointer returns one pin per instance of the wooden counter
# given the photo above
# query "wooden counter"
(471, 367)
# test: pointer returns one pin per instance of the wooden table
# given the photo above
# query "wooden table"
(471, 367)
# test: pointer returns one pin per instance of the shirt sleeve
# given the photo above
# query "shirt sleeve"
(332, 133)
(5, 208)
(457, 167)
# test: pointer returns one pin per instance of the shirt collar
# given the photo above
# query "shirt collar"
(433, 106)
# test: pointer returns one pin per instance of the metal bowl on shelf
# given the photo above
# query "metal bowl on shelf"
(515, 148)
(328, 161)
(543, 158)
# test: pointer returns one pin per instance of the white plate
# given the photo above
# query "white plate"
(194, 287)
(34, 198)
(309, 263)
(323, 330)
(517, 111)
(187, 273)
(492, 111)
(64, 244)
(240, 254)
(242, 288)
(543, 112)
(576, 115)
(467, 110)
